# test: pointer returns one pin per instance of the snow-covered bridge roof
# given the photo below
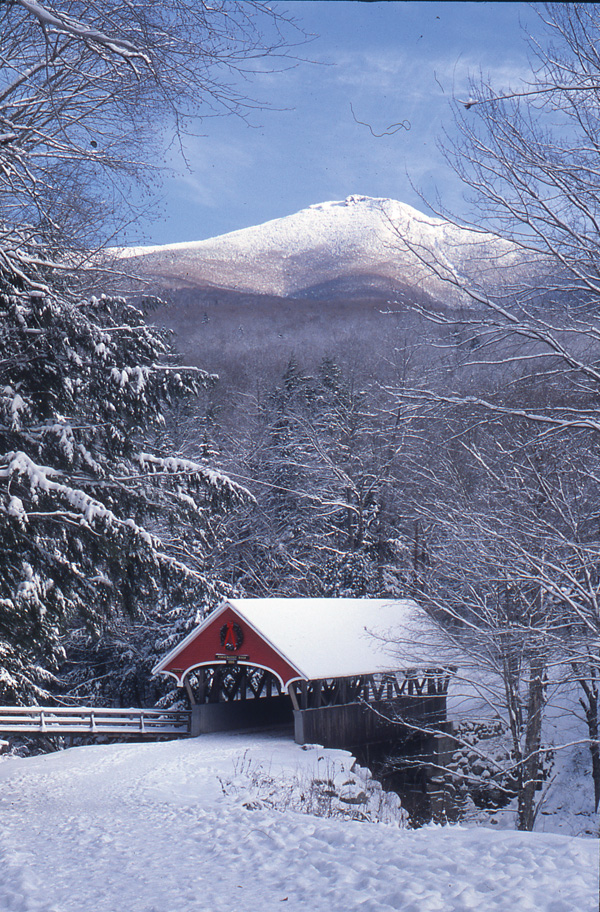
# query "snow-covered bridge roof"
(305, 638)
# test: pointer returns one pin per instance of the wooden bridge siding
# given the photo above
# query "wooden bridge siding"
(228, 683)
(352, 724)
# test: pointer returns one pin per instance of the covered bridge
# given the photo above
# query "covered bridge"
(339, 668)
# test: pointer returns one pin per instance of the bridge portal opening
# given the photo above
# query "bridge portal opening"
(236, 696)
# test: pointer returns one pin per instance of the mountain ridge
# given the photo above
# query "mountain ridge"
(349, 242)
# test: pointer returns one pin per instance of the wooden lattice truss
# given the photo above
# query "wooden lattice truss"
(226, 683)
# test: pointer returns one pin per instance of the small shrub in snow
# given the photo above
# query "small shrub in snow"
(329, 788)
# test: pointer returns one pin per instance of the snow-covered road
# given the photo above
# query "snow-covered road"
(178, 827)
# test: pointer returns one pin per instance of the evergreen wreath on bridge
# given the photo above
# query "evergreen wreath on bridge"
(232, 636)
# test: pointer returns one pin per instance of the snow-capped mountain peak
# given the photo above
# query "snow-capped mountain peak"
(361, 240)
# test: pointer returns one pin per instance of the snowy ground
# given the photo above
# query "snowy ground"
(189, 826)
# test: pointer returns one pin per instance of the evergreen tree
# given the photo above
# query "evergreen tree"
(96, 520)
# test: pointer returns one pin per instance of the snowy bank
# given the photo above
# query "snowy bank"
(189, 825)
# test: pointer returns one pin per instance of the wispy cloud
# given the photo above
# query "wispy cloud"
(208, 171)
(417, 76)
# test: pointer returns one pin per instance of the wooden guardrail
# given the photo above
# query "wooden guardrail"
(93, 720)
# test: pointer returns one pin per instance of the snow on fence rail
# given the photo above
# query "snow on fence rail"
(93, 720)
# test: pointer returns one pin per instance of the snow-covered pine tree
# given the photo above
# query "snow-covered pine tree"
(94, 522)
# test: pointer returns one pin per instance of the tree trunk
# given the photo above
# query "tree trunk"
(531, 766)
(590, 708)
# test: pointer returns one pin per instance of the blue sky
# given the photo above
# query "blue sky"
(381, 63)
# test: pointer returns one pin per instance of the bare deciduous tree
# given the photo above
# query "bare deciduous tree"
(528, 156)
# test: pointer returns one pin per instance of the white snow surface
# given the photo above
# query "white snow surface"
(360, 236)
(337, 637)
(184, 826)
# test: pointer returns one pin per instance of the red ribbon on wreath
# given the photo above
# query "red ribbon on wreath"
(232, 636)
